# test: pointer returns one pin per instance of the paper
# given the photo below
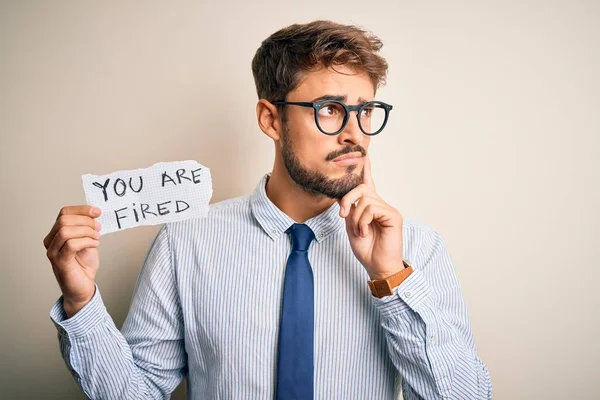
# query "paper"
(164, 192)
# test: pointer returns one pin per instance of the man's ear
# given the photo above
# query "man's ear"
(269, 119)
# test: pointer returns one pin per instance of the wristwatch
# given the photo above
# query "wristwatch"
(385, 287)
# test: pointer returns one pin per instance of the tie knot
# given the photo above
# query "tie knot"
(301, 235)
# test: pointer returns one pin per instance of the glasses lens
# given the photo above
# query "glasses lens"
(372, 117)
(331, 117)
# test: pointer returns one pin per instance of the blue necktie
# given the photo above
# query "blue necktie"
(295, 354)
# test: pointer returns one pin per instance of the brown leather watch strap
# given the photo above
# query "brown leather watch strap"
(385, 287)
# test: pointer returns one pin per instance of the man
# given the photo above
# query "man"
(312, 286)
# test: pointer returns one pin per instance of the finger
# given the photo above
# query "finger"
(86, 210)
(90, 211)
(367, 175)
(349, 224)
(70, 220)
(365, 219)
(363, 203)
(70, 232)
(382, 214)
(374, 212)
(73, 246)
(350, 198)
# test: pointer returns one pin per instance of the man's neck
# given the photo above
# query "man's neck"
(292, 199)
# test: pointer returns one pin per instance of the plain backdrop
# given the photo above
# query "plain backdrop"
(493, 141)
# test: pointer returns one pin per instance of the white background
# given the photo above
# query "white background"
(493, 141)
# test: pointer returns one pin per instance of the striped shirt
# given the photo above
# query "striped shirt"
(207, 304)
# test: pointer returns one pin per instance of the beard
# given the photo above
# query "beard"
(315, 182)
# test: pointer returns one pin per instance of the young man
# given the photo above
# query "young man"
(311, 287)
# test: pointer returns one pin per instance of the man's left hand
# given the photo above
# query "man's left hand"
(374, 228)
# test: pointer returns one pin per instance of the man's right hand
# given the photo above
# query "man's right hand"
(72, 248)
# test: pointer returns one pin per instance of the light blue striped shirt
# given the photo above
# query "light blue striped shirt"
(207, 304)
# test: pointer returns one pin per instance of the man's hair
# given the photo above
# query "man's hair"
(283, 58)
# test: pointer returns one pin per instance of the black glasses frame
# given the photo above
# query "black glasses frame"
(317, 105)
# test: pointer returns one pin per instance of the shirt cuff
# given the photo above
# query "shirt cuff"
(83, 321)
(408, 295)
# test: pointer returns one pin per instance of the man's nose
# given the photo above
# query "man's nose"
(351, 132)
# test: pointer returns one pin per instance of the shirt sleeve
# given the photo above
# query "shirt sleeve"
(146, 359)
(427, 329)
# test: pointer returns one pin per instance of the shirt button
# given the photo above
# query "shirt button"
(273, 231)
(321, 235)
(431, 340)
(407, 294)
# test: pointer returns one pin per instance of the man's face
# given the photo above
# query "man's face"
(308, 154)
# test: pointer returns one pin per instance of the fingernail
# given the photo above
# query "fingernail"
(94, 211)
(343, 211)
(98, 226)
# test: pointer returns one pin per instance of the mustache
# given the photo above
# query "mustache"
(346, 150)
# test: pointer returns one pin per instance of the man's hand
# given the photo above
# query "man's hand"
(72, 250)
(374, 228)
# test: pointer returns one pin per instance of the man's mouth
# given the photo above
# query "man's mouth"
(355, 155)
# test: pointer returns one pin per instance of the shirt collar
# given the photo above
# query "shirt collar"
(275, 222)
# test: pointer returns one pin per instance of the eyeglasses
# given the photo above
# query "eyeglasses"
(331, 116)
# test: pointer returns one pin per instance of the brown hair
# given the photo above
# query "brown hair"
(286, 55)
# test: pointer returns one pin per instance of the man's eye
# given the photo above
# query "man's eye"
(329, 110)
